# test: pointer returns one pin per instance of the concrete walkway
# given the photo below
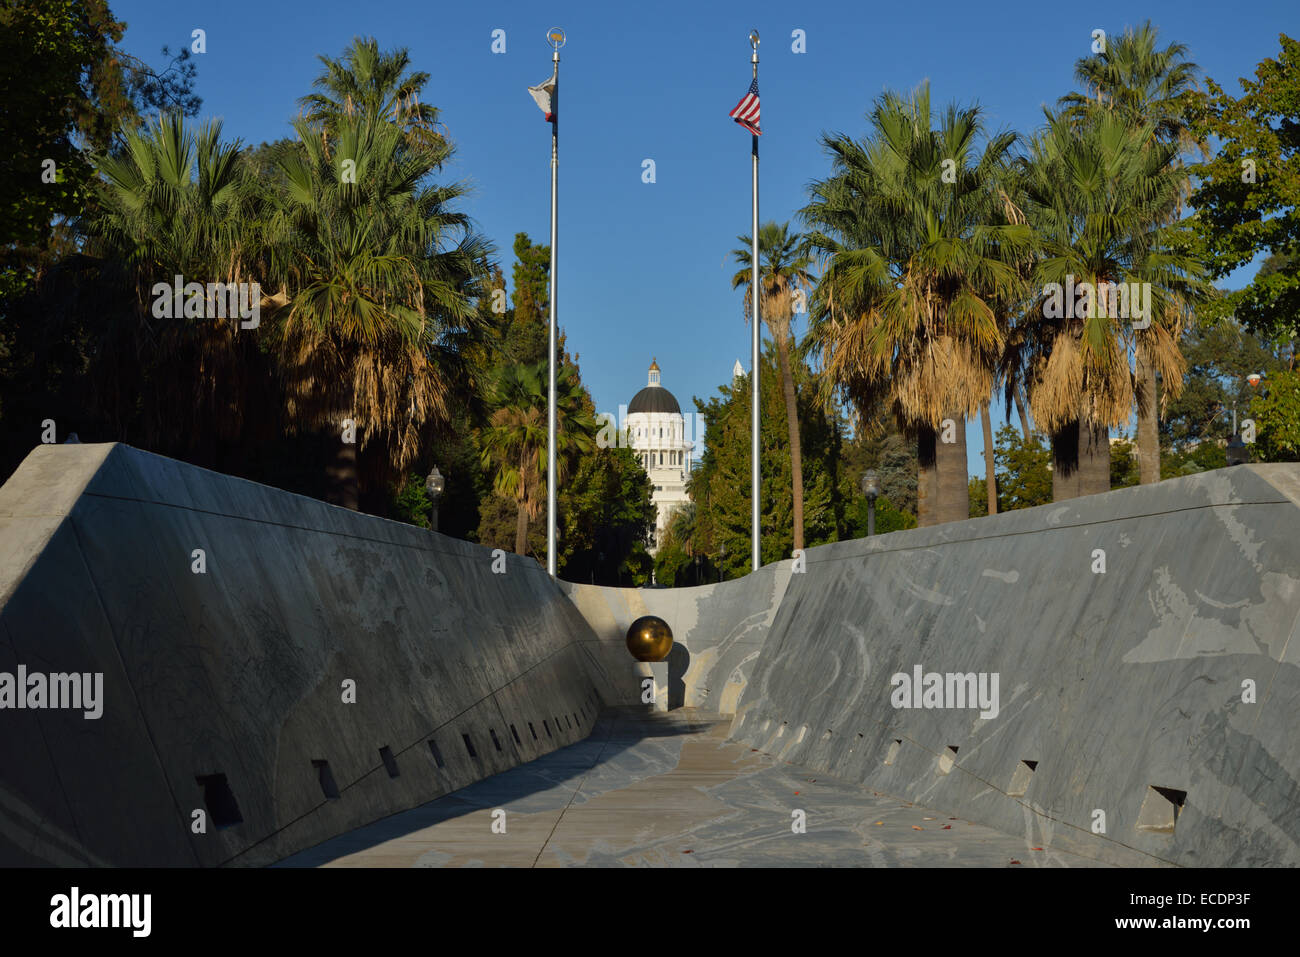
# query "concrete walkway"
(668, 790)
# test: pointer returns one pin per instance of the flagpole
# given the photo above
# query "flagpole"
(755, 296)
(556, 38)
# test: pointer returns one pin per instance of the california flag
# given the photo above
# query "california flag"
(547, 98)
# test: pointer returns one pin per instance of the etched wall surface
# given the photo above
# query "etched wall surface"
(240, 671)
(718, 632)
(1125, 691)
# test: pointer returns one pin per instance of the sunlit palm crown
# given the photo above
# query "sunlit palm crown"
(916, 250)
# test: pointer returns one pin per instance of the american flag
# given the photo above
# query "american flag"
(746, 111)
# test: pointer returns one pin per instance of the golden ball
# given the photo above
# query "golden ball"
(649, 638)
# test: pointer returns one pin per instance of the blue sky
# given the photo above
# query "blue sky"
(644, 268)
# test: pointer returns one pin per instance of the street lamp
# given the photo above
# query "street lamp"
(871, 489)
(434, 485)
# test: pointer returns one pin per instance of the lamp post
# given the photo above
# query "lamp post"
(435, 484)
(871, 489)
(697, 568)
(722, 557)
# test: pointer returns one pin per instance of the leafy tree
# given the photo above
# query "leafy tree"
(606, 517)
(1024, 472)
(1245, 199)
(782, 275)
(1124, 468)
(514, 442)
(720, 485)
(1277, 418)
(1219, 358)
(64, 91)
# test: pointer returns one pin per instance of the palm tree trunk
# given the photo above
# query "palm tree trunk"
(521, 528)
(1148, 421)
(342, 471)
(792, 423)
(953, 479)
(991, 479)
(1065, 463)
(1019, 395)
(1094, 460)
(1080, 461)
(927, 489)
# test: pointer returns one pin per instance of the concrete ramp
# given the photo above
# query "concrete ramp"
(1145, 646)
(274, 670)
(243, 674)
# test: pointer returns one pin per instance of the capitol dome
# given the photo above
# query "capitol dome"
(657, 435)
(654, 397)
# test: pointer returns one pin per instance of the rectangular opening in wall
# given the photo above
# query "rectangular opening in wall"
(546, 726)
(327, 784)
(469, 746)
(531, 729)
(390, 762)
(558, 726)
(1160, 809)
(576, 722)
(220, 801)
(512, 727)
(894, 745)
(946, 758)
(496, 742)
(1024, 773)
(437, 755)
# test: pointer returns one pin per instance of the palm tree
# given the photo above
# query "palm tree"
(1098, 194)
(380, 277)
(515, 438)
(1135, 80)
(782, 274)
(919, 249)
(176, 201)
(365, 80)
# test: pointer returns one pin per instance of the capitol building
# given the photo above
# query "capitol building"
(656, 432)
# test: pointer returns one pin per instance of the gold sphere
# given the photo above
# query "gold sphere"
(649, 638)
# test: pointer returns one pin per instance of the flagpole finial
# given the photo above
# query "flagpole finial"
(753, 42)
(555, 37)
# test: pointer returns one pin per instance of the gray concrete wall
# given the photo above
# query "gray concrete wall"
(1112, 682)
(239, 671)
(718, 632)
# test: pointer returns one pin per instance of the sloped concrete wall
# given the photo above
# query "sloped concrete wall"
(240, 670)
(1111, 682)
(718, 632)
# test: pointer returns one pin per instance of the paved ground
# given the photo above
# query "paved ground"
(668, 790)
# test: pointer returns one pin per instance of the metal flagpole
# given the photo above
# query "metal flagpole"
(556, 38)
(755, 296)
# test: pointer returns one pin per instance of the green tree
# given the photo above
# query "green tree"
(919, 249)
(381, 279)
(1277, 418)
(64, 92)
(1245, 198)
(720, 485)
(606, 517)
(514, 442)
(1024, 473)
(1136, 80)
(1100, 195)
(783, 277)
